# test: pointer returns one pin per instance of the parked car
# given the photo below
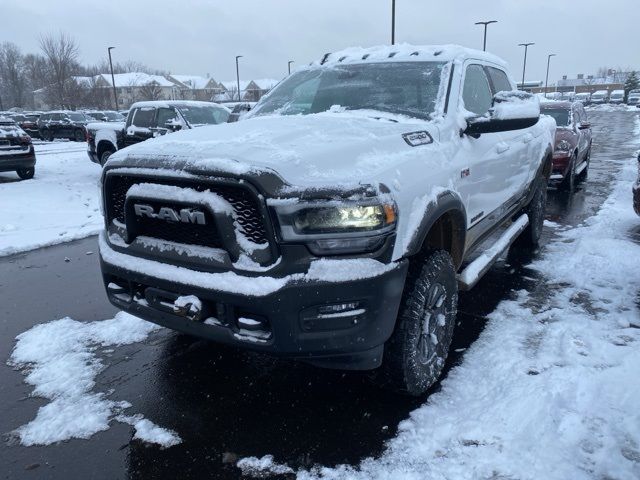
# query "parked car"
(636, 191)
(16, 150)
(583, 97)
(617, 97)
(28, 122)
(572, 143)
(106, 116)
(634, 98)
(600, 96)
(330, 224)
(149, 120)
(62, 124)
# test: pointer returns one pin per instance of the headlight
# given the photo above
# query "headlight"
(563, 146)
(334, 227)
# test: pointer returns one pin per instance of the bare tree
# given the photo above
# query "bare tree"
(12, 75)
(151, 91)
(61, 52)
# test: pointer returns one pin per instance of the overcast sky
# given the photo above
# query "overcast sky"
(203, 36)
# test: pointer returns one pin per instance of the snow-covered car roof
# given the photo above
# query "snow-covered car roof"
(175, 103)
(406, 53)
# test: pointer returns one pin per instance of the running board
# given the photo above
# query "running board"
(476, 269)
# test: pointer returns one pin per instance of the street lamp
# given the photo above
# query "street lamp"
(238, 76)
(546, 82)
(484, 44)
(524, 66)
(393, 22)
(113, 80)
(289, 65)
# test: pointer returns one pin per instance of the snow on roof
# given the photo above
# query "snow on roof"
(136, 79)
(233, 84)
(406, 52)
(179, 103)
(194, 81)
(266, 83)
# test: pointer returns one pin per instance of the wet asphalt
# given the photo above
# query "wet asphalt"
(226, 403)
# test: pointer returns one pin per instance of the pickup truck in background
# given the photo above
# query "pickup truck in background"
(149, 120)
(337, 221)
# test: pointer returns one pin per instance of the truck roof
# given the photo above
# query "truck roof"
(406, 53)
(174, 103)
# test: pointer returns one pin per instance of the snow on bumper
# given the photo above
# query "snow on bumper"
(338, 314)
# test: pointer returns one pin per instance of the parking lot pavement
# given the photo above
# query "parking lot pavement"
(59, 204)
(226, 404)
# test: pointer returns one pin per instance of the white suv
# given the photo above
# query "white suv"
(336, 222)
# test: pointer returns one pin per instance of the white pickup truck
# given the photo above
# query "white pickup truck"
(337, 221)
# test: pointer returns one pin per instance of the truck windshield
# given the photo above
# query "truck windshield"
(560, 115)
(204, 115)
(406, 88)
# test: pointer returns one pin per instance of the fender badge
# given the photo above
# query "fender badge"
(415, 139)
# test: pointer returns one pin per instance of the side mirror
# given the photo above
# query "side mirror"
(584, 126)
(172, 125)
(513, 110)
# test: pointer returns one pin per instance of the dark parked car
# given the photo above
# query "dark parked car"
(28, 122)
(149, 120)
(16, 150)
(61, 124)
(573, 142)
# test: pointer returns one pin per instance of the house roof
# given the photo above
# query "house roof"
(233, 84)
(195, 82)
(136, 79)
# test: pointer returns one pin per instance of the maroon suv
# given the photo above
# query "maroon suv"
(573, 142)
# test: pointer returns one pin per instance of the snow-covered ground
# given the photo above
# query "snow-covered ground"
(549, 390)
(58, 205)
(61, 360)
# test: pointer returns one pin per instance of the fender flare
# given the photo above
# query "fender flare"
(446, 202)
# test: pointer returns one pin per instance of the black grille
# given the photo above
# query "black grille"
(243, 201)
(186, 233)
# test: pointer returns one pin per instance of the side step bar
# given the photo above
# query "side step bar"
(476, 269)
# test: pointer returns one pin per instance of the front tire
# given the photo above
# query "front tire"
(105, 156)
(26, 173)
(569, 182)
(415, 354)
(530, 236)
(78, 136)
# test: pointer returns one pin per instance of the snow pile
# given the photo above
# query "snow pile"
(61, 203)
(253, 466)
(60, 359)
(550, 389)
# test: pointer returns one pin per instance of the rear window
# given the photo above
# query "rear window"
(76, 117)
(143, 117)
(561, 115)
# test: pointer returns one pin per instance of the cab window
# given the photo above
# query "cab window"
(143, 117)
(476, 94)
(500, 80)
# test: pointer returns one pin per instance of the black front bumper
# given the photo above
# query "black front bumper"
(352, 341)
(18, 160)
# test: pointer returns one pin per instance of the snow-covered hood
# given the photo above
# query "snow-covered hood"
(11, 131)
(326, 148)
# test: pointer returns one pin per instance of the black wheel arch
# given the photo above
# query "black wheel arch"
(443, 227)
(103, 146)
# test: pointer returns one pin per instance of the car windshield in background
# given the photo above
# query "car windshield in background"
(204, 115)
(114, 117)
(406, 88)
(561, 115)
(77, 117)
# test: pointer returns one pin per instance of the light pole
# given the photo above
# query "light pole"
(393, 22)
(238, 76)
(524, 66)
(113, 79)
(546, 82)
(484, 43)
(289, 65)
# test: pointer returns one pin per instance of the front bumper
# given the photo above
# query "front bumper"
(15, 161)
(289, 311)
